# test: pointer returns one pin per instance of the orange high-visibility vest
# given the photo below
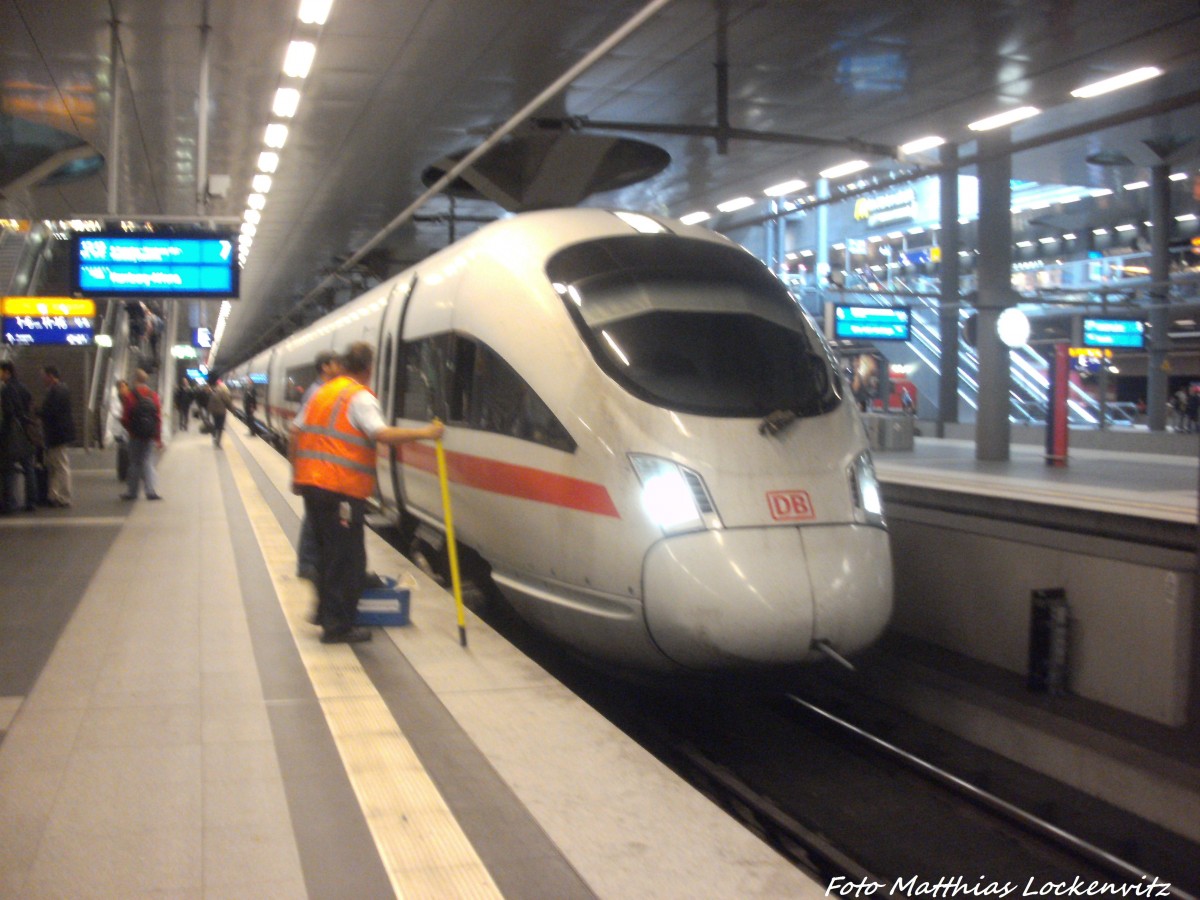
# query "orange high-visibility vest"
(330, 452)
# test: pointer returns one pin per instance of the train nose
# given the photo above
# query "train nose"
(764, 596)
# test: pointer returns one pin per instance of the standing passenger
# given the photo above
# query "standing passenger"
(220, 402)
(142, 419)
(17, 444)
(59, 428)
(334, 458)
(249, 407)
(183, 402)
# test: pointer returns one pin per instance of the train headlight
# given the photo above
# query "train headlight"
(864, 489)
(674, 497)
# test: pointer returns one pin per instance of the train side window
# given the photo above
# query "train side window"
(298, 380)
(426, 364)
(460, 379)
(502, 402)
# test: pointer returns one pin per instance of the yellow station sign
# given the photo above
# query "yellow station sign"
(48, 306)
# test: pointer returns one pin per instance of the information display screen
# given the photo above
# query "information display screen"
(26, 331)
(1116, 333)
(872, 323)
(154, 265)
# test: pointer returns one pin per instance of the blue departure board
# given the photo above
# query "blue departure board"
(1128, 334)
(27, 331)
(872, 323)
(154, 265)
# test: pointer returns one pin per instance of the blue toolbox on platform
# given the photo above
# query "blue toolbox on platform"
(386, 606)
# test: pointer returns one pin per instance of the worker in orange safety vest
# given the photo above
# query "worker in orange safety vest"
(333, 458)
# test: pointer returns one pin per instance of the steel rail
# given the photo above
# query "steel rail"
(1026, 819)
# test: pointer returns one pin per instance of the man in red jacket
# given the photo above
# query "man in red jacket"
(142, 419)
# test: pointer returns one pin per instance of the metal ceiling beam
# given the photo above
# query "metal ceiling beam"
(522, 115)
(1134, 114)
(723, 134)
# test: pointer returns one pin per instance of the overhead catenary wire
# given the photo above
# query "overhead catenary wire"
(524, 113)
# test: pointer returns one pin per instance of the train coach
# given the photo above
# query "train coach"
(647, 441)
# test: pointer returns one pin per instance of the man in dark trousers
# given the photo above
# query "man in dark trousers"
(16, 444)
(327, 366)
(249, 407)
(58, 426)
(183, 403)
(333, 454)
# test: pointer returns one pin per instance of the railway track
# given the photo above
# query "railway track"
(864, 816)
(867, 817)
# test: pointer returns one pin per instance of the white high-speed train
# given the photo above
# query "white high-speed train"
(647, 440)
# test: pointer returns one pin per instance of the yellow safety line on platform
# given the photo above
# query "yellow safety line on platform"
(421, 844)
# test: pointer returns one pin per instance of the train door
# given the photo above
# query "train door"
(387, 355)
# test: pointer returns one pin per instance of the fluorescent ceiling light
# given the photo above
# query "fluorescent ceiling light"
(786, 187)
(735, 204)
(268, 161)
(1047, 240)
(1100, 231)
(261, 183)
(253, 216)
(693, 218)
(1024, 243)
(286, 102)
(256, 201)
(276, 135)
(1116, 82)
(1126, 227)
(921, 144)
(916, 229)
(846, 168)
(1137, 185)
(1101, 192)
(1069, 236)
(299, 59)
(249, 229)
(1186, 217)
(314, 12)
(1178, 176)
(1005, 118)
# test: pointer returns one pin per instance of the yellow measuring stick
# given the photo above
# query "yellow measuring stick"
(452, 547)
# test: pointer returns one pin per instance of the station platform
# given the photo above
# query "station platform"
(170, 724)
(1153, 485)
(1116, 531)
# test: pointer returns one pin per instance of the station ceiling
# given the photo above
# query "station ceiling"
(398, 88)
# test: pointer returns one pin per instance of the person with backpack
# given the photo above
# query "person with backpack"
(142, 419)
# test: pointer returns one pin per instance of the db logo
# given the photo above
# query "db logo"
(790, 506)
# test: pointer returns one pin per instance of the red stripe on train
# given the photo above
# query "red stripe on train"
(513, 481)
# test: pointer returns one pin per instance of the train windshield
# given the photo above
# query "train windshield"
(695, 326)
